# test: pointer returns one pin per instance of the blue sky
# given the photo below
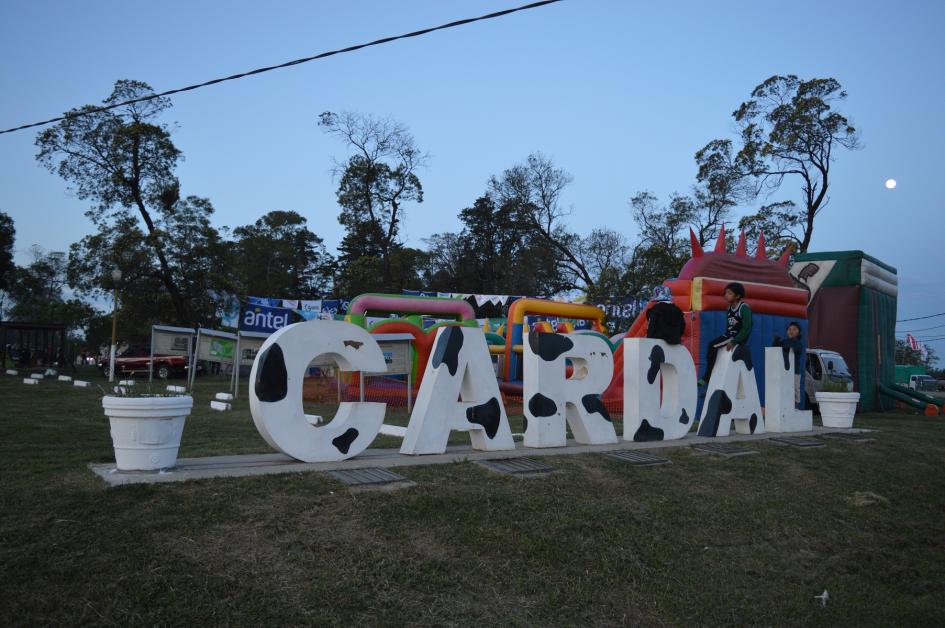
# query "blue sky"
(620, 94)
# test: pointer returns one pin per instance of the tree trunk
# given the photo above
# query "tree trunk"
(166, 278)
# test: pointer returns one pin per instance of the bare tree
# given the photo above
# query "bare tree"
(534, 189)
(376, 182)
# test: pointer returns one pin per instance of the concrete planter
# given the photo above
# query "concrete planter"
(837, 409)
(146, 431)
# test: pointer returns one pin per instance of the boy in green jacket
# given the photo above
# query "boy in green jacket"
(737, 330)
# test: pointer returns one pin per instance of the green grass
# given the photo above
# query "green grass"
(705, 540)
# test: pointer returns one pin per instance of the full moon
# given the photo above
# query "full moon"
(890, 184)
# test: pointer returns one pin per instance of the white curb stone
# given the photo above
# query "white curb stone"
(224, 396)
(30, 380)
(81, 384)
(222, 406)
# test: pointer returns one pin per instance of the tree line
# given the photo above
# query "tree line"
(515, 238)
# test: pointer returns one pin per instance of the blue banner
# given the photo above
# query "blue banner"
(263, 319)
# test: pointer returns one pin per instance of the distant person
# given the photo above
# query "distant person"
(665, 320)
(737, 330)
(792, 343)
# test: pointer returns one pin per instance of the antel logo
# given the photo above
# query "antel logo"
(269, 320)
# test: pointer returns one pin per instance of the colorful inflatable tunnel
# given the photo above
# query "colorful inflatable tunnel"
(411, 310)
(515, 327)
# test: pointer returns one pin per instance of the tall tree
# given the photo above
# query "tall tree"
(123, 160)
(663, 246)
(789, 128)
(279, 255)
(721, 185)
(192, 248)
(376, 183)
(495, 253)
(533, 191)
(606, 254)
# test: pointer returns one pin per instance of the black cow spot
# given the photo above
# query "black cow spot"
(355, 344)
(593, 403)
(786, 352)
(549, 346)
(647, 432)
(753, 423)
(684, 417)
(743, 353)
(271, 378)
(524, 423)
(540, 405)
(447, 349)
(487, 415)
(657, 357)
(719, 404)
(343, 443)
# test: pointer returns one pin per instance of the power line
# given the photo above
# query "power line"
(910, 331)
(330, 53)
(920, 318)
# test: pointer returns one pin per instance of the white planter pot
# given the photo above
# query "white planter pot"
(146, 431)
(837, 409)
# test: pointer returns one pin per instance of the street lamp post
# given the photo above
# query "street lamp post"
(116, 277)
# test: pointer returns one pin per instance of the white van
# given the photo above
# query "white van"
(824, 365)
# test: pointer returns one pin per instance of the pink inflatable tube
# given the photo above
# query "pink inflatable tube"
(388, 303)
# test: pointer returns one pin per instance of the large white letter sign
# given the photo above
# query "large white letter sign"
(780, 413)
(732, 395)
(550, 396)
(654, 369)
(275, 398)
(459, 392)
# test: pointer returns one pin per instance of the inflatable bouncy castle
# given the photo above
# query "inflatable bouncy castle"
(698, 291)
(852, 307)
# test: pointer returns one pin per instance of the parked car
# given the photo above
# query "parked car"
(136, 360)
(925, 382)
(824, 365)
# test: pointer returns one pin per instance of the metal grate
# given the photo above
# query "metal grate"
(518, 466)
(798, 441)
(636, 458)
(724, 449)
(370, 476)
(849, 437)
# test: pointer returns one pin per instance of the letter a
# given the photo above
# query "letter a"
(460, 368)
(732, 395)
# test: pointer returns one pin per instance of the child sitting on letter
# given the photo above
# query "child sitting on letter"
(664, 319)
(737, 330)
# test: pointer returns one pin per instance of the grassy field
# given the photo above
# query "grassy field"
(704, 540)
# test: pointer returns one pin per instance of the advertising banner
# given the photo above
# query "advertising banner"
(264, 319)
